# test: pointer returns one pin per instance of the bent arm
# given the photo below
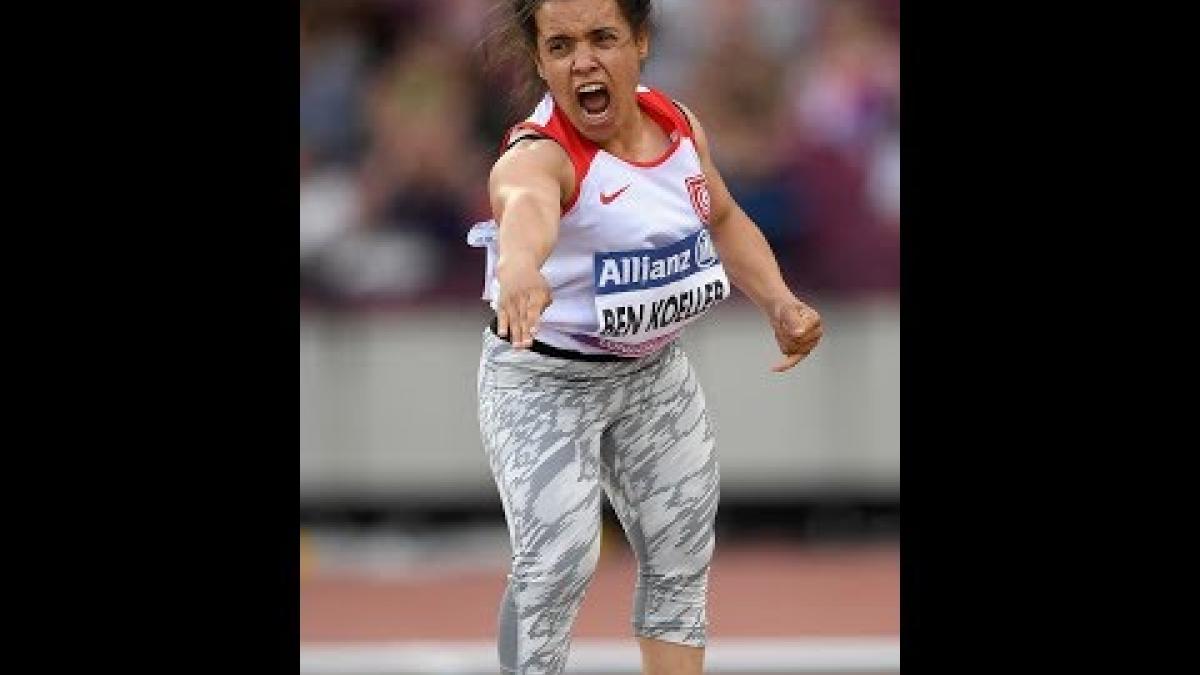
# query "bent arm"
(744, 251)
(752, 267)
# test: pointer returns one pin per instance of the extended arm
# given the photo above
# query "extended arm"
(527, 187)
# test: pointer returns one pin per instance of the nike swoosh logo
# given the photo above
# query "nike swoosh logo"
(608, 199)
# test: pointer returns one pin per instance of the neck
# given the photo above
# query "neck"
(632, 140)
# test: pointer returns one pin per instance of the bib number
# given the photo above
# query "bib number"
(645, 295)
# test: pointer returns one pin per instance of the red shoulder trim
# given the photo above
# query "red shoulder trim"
(580, 150)
(666, 112)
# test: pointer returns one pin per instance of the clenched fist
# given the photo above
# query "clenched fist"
(797, 330)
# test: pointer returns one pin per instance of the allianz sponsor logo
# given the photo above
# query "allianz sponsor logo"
(628, 270)
(631, 269)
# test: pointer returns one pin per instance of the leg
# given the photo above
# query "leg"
(661, 474)
(667, 658)
(542, 443)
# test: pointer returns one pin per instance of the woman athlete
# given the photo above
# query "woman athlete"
(612, 230)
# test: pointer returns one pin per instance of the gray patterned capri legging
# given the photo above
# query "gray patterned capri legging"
(557, 432)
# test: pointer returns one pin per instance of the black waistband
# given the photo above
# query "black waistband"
(547, 350)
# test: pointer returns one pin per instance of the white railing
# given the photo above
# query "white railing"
(610, 657)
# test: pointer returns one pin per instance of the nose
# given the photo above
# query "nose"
(585, 59)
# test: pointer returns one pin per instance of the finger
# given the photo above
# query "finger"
(810, 334)
(512, 313)
(515, 324)
(526, 335)
(804, 320)
(501, 320)
(788, 362)
(803, 328)
(532, 314)
(807, 340)
(804, 344)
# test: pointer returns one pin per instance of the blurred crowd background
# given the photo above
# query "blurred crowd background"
(400, 122)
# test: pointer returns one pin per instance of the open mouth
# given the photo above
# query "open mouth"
(593, 100)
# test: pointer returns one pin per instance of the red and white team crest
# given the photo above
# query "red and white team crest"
(697, 189)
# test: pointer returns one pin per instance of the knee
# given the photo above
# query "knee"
(558, 576)
(687, 584)
(672, 593)
(679, 580)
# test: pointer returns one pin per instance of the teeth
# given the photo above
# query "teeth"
(588, 88)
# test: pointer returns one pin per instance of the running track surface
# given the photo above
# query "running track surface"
(755, 590)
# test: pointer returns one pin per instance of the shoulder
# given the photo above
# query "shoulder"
(666, 109)
(687, 113)
(701, 138)
(533, 163)
(529, 152)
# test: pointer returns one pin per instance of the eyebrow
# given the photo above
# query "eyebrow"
(594, 31)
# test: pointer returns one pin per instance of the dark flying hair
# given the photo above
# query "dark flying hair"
(510, 47)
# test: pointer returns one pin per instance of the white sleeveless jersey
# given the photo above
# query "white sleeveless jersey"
(634, 261)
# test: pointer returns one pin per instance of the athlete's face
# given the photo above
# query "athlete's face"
(591, 59)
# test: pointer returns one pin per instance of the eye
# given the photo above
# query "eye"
(556, 47)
